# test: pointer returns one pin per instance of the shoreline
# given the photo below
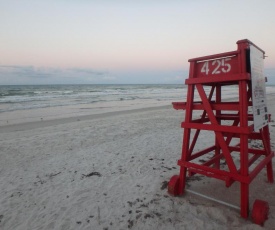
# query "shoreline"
(103, 111)
(64, 120)
(69, 111)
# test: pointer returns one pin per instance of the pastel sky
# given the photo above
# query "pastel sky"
(125, 41)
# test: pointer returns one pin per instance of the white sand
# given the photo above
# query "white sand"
(132, 154)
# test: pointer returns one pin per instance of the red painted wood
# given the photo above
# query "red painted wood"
(227, 120)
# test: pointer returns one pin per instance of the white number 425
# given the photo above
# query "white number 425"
(220, 65)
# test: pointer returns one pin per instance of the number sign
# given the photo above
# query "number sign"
(220, 65)
(217, 67)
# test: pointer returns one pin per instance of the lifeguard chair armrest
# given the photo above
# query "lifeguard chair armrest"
(179, 105)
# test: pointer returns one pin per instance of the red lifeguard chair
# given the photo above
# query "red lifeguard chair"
(228, 120)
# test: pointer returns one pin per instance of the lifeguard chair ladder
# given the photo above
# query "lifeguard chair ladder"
(218, 71)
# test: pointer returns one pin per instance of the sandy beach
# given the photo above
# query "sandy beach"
(91, 137)
(110, 171)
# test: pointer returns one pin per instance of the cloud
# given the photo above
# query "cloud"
(28, 75)
(40, 75)
(26, 71)
(88, 71)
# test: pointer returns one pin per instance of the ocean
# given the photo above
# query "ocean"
(21, 97)
(23, 103)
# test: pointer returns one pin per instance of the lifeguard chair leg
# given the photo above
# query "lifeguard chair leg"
(182, 180)
(244, 165)
(176, 185)
(266, 142)
(244, 172)
(244, 200)
(218, 113)
(186, 135)
(184, 157)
